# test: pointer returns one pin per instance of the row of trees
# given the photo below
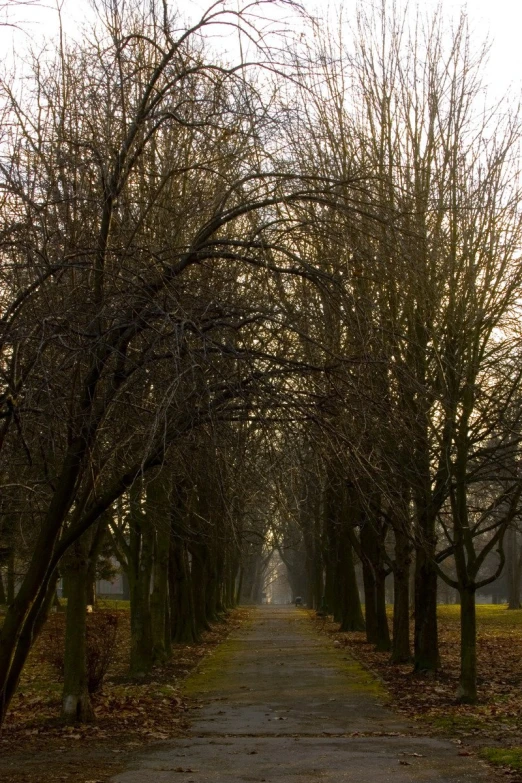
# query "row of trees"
(418, 420)
(267, 304)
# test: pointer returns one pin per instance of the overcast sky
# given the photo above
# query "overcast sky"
(500, 19)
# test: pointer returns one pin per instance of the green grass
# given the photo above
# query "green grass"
(488, 615)
(504, 757)
(109, 603)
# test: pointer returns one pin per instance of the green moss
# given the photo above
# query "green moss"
(211, 672)
(215, 674)
(361, 679)
(504, 757)
(454, 724)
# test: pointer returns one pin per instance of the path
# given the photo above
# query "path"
(278, 702)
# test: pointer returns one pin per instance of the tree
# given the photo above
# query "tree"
(99, 301)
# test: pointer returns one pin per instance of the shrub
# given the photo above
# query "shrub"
(102, 631)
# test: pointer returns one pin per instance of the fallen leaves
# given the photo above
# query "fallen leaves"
(430, 702)
(37, 748)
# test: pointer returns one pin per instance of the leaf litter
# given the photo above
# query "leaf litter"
(35, 747)
(430, 704)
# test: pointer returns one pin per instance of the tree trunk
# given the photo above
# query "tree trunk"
(199, 578)
(216, 606)
(159, 597)
(11, 578)
(211, 589)
(316, 566)
(159, 520)
(467, 691)
(3, 594)
(232, 571)
(141, 632)
(312, 524)
(98, 536)
(76, 701)
(328, 599)
(181, 601)
(401, 652)
(92, 598)
(91, 576)
(383, 643)
(79, 576)
(140, 574)
(352, 618)
(370, 566)
(370, 603)
(413, 571)
(332, 509)
(239, 584)
(513, 568)
(317, 581)
(426, 629)
(34, 622)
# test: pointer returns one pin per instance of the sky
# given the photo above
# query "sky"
(501, 20)
(498, 20)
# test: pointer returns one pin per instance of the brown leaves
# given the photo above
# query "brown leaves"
(129, 714)
(430, 703)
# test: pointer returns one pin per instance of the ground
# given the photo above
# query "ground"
(493, 727)
(286, 690)
(36, 748)
(279, 701)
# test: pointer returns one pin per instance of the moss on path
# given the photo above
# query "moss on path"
(278, 701)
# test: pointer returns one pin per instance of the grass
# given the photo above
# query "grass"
(488, 615)
(113, 605)
(504, 757)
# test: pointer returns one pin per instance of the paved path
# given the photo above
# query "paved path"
(278, 701)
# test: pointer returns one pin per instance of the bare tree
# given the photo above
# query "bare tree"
(111, 142)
